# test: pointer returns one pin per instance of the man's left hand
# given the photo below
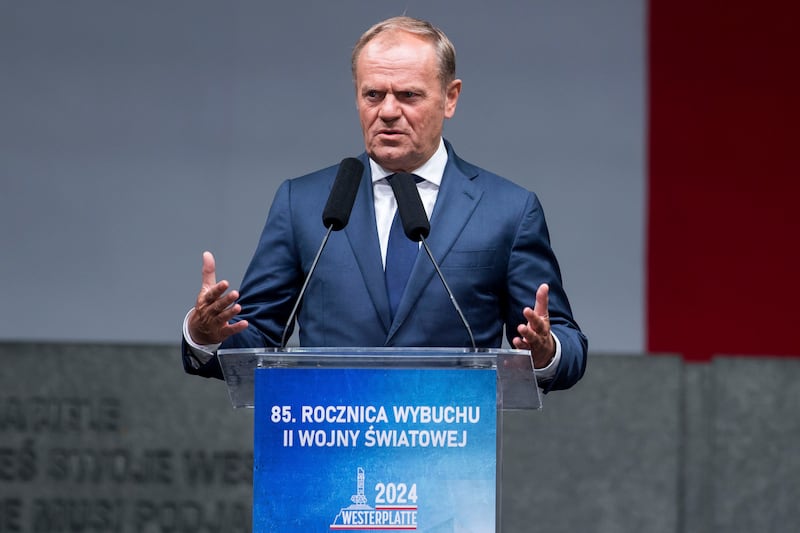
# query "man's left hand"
(535, 334)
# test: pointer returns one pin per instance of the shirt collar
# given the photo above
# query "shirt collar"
(432, 170)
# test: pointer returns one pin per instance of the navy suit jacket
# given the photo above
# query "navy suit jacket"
(488, 235)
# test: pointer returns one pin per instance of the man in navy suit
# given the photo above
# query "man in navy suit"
(488, 234)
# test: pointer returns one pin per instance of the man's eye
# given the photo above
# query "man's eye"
(371, 94)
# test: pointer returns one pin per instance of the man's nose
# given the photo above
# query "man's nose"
(390, 108)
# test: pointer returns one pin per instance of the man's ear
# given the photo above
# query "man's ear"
(451, 98)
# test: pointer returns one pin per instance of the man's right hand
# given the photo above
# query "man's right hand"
(208, 324)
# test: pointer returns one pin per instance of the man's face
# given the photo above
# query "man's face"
(401, 102)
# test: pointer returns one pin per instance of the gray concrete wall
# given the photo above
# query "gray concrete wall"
(116, 438)
(98, 438)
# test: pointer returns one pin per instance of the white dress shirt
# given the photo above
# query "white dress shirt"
(386, 204)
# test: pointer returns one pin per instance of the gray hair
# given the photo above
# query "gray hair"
(445, 51)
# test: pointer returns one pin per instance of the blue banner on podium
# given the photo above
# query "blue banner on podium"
(375, 450)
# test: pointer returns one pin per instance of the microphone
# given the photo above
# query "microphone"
(334, 217)
(409, 205)
(416, 227)
(343, 194)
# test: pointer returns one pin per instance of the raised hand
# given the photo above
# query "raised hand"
(214, 308)
(535, 334)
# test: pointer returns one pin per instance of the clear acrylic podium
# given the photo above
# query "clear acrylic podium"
(516, 387)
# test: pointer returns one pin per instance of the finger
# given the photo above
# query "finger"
(225, 313)
(215, 307)
(210, 295)
(527, 332)
(542, 301)
(520, 343)
(209, 270)
(537, 326)
(233, 329)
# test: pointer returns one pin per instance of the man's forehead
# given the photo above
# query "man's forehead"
(395, 44)
(407, 60)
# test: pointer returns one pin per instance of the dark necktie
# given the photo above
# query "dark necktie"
(401, 252)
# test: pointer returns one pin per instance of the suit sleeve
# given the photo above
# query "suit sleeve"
(532, 262)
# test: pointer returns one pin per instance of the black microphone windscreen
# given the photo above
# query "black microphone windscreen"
(412, 213)
(343, 194)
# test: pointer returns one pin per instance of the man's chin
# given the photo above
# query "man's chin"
(393, 160)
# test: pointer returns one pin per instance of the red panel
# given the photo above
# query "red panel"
(724, 160)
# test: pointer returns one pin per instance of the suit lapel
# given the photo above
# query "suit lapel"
(363, 237)
(458, 196)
